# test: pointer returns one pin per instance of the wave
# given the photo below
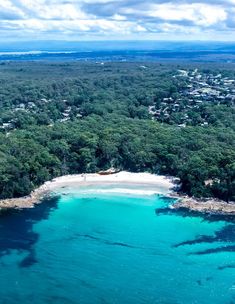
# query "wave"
(120, 191)
(126, 191)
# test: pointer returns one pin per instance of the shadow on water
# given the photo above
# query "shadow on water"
(151, 251)
(183, 212)
(107, 242)
(226, 234)
(16, 229)
(228, 266)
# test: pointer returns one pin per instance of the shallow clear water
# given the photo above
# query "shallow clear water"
(91, 246)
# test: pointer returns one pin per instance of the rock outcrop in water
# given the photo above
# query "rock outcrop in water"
(27, 201)
(209, 206)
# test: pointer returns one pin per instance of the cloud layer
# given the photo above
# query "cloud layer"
(121, 19)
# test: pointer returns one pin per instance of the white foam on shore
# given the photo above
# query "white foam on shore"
(125, 191)
(118, 191)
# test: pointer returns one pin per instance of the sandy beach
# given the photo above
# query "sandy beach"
(162, 184)
(160, 181)
(148, 184)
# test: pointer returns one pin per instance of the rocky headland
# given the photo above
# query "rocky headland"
(206, 206)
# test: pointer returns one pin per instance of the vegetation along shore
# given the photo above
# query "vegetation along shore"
(164, 118)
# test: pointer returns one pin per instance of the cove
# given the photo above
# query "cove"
(107, 245)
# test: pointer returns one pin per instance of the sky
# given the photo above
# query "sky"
(117, 20)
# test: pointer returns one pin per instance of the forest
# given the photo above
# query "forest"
(75, 117)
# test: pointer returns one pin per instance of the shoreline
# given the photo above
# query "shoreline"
(29, 201)
(210, 206)
(161, 184)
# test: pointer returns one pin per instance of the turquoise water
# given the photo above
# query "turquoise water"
(90, 246)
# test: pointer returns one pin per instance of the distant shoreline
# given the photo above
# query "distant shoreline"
(162, 184)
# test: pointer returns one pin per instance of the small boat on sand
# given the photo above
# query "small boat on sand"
(109, 171)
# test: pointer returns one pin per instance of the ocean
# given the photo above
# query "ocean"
(111, 245)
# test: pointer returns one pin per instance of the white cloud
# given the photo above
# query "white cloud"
(140, 28)
(98, 26)
(9, 10)
(116, 17)
(43, 9)
(198, 13)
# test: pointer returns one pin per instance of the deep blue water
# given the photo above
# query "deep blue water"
(104, 247)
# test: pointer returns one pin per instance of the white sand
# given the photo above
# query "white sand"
(160, 182)
(148, 184)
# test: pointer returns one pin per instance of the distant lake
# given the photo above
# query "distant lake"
(111, 245)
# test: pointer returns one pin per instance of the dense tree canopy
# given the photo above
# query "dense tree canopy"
(83, 117)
